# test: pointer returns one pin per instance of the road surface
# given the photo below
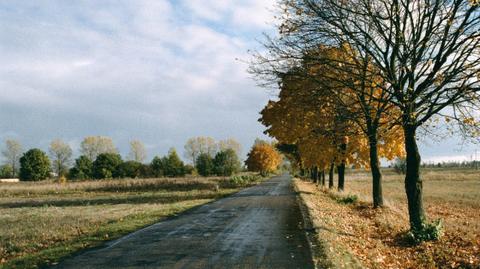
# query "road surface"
(259, 227)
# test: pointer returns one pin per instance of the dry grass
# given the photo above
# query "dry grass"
(44, 221)
(375, 236)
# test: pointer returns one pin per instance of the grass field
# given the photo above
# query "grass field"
(376, 237)
(43, 221)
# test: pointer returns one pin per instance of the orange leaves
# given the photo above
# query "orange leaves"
(263, 158)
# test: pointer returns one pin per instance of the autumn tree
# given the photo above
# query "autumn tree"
(61, 155)
(263, 158)
(426, 53)
(137, 153)
(339, 92)
(92, 146)
(12, 153)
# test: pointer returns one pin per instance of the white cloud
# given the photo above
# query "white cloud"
(125, 69)
(240, 13)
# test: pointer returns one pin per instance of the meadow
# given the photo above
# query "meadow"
(41, 222)
(376, 238)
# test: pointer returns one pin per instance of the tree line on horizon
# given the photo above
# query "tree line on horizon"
(100, 159)
(360, 80)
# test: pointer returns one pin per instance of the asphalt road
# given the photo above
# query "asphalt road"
(259, 227)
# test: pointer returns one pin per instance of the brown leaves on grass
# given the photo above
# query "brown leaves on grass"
(375, 236)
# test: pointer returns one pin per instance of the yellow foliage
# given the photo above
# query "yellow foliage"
(310, 115)
(263, 158)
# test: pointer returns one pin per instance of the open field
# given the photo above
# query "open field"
(376, 238)
(41, 222)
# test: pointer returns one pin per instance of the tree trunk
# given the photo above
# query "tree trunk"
(315, 174)
(341, 176)
(376, 173)
(330, 176)
(341, 169)
(322, 178)
(413, 182)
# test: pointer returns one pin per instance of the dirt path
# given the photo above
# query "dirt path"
(259, 227)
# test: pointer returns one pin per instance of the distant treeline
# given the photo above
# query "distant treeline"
(400, 165)
(99, 159)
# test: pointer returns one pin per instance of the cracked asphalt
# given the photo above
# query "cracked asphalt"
(259, 227)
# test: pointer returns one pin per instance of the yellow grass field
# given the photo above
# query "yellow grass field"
(41, 222)
(376, 237)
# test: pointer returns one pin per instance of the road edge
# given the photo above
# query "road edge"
(322, 251)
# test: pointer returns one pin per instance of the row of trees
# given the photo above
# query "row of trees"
(100, 159)
(360, 79)
(262, 157)
(61, 154)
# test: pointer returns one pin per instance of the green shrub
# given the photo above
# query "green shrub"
(83, 168)
(168, 166)
(429, 232)
(243, 180)
(226, 163)
(157, 166)
(106, 165)
(349, 199)
(205, 165)
(6, 171)
(174, 165)
(131, 169)
(34, 165)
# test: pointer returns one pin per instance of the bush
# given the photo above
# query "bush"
(146, 171)
(174, 165)
(226, 163)
(205, 165)
(34, 165)
(189, 169)
(168, 166)
(6, 171)
(106, 165)
(83, 168)
(429, 232)
(131, 169)
(349, 199)
(244, 180)
(157, 166)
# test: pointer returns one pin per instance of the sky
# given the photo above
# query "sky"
(157, 71)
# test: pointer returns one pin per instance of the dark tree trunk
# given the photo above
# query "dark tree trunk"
(315, 174)
(376, 173)
(341, 169)
(322, 178)
(413, 182)
(330, 176)
(341, 176)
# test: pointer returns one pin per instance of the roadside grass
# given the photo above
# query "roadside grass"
(376, 237)
(41, 222)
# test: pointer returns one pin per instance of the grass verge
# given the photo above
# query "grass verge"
(376, 237)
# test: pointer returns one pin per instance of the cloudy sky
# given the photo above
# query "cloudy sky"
(160, 71)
